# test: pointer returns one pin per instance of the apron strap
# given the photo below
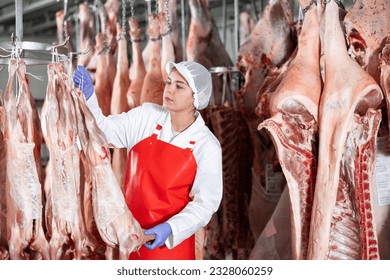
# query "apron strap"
(157, 131)
(191, 145)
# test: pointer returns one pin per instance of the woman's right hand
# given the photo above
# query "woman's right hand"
(83, 80)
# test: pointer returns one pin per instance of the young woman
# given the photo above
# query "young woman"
(173, 182)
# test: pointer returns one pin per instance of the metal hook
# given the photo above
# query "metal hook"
(85, 51)
(62, 44)
(13, 39)
(8, 55)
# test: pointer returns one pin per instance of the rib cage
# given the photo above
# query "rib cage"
(230, 129)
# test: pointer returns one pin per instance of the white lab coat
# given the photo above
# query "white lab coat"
(127, 129)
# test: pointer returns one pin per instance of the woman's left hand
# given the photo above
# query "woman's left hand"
(161, 231)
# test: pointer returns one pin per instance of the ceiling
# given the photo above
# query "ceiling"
(39, 15)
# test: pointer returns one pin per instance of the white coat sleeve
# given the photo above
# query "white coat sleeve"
(207, 195)
(120, 130)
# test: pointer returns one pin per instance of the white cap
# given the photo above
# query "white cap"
(198, 78)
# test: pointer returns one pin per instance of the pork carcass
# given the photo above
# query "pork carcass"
(153, 86)
(247, 23)
(229, 127)
(112, 10)
(167, 47)
(64, 217)
(263, 54)
(103, 88)
(119, 102)
(23, 139)
(121, 82)
(175, 35)
(205, 46)
(137, 69)
(63, 30)
(367, 25)
(115, 223)
(269, 44)
(3, 210)
(342, 222)
(86, 34)
(293, 107)
(382, 225)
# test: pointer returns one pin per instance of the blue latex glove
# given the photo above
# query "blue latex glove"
(162, 231)
(83, 80)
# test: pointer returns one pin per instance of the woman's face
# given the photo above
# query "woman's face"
(178, 95)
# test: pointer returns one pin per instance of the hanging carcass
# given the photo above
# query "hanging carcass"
(260, 59)
(64, 219)
(153, 86)
(114, 221)
(137, 68)
(23, 137)
(367, 25)
(293, 107)
(119, 101)
(342, 222)
(3, 169)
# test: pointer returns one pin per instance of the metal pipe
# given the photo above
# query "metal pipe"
(224, 21)
(65, 9)
(149, 3)
(19, 20)
(255, 10)
(77, 31)
(97, 6)
(19, 33)
(183, 29)
(237, 25)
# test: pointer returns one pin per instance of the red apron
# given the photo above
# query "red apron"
(158, 181)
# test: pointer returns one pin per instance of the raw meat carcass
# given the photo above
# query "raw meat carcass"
(230, 128)
(115, 223)
(109, 49)
(112, 10)
(121, 82)
(247, 23)
(262, 55)
(153, 86)
(64, 218)
(86, 33)
(342, 223)
(270, 44)
(23, 137)
(205, 46)
(382, 218)
(175, 34)
(63, 30)
(293, 107)
(119, 102)
(137, 69)
(103, 88)
(3, 220)
(367, 24)
(167, 47)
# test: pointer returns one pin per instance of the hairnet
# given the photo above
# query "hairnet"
(198, 78)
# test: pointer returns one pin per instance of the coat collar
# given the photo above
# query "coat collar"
(190, 134)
